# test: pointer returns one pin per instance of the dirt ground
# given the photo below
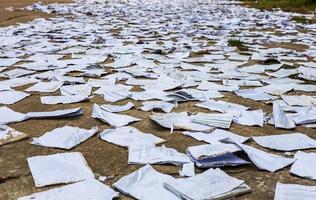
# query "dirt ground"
(107, 159)
(19, 16)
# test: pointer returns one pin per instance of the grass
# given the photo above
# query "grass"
(237, 43)
(304, 20)
(286, 5)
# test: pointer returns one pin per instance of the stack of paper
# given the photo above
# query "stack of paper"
(215, 155)
(212, 184)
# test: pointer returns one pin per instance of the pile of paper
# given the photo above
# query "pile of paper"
(212, 184)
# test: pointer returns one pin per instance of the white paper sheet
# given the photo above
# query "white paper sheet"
(211, 184)
(280, 119)
(117, 108)
(213, 120)
(84, 190)
(149, 154)
(50, 100)
(9, 135)
(263, 160)
(294, 192)
(65, 137)
(55, 114)
(187, 170)
(114, 120)
(129, 136)
(52, 86)
(286, 142)
(254, 95)
(161, 105)
(59, 168)
(222, 106)
(250, 118)
(82, 89)
(9, 116)
(180, 120)
(146, 183)
(304, 165)
(11, 97)
(211, 150)
(302, 100)
(215, 136)
(15, 73)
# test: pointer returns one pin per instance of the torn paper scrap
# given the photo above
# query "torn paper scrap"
(187, 170)
(9, 135)
(286, 142)
(117, 108)
(146, 183)
(211, 184)
(114, 120)
(65, 137)
(83, 190)
(129, 136)
(149, 154)
(59, 168)
(11, 97)
(304, 165)
(294, 192)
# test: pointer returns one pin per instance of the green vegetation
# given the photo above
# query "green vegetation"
(287, 5)
(237, 43)
(304, 20)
